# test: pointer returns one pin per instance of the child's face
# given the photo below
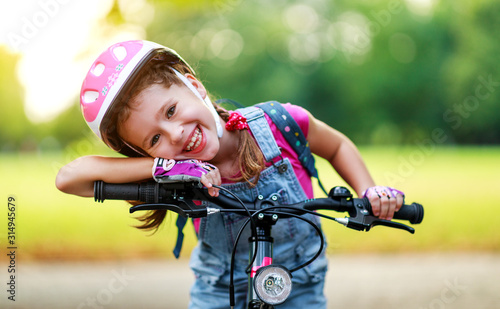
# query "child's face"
(172, 123)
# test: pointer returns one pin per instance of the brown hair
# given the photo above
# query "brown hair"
(159, 71)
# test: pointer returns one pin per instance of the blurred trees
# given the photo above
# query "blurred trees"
(383, 72)
(15, 128)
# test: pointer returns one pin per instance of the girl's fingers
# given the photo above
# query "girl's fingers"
(210, 179)
(385, 201)
(213, 192)
(376, 205)
(399, 201)
(384, 207)
(392, 208)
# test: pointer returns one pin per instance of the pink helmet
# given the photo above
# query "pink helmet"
(112, 73)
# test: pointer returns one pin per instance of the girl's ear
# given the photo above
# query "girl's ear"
(197, 85)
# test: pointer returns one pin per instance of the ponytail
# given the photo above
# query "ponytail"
(250, 158)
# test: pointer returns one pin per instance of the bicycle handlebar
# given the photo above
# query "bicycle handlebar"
(179, 197)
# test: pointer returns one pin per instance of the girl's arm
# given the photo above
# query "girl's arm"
(78, 177)
(343, 155)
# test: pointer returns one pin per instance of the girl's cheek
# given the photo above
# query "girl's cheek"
(155, 153)
(165, 152)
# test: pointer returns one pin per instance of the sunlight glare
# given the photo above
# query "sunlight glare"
(421, 7)
(58, 40)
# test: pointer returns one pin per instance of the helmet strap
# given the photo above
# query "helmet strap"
(139, 151)
(206, 101)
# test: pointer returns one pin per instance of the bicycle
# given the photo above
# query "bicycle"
(268, 284)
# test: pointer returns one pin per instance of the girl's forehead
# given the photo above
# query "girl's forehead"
(156, 92)
(150, 92)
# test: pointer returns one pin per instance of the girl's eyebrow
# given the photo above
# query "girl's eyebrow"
(161, 110)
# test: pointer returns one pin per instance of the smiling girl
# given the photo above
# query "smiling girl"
(144, 101)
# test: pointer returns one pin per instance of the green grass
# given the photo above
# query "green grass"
(458, 187)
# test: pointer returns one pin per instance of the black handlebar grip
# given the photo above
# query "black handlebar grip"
(413, 213)
(109, 191)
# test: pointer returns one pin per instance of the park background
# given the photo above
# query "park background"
(414, 83)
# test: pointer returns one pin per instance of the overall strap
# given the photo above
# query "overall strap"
(294, 136)
(261, 132)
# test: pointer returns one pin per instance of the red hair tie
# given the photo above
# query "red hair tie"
(236, 122)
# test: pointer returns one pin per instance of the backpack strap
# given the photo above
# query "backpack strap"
(180, 223)
(293, 134)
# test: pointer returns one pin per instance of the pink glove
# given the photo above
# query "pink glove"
(167, 170)
(382, 191)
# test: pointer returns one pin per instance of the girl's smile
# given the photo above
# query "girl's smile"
(196, 142)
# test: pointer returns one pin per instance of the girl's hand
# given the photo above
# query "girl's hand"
(169, 170)
(210, 179)
(385, 201)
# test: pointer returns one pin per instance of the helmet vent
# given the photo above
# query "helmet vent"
(120, 53)
(98, 69)
(90, 96)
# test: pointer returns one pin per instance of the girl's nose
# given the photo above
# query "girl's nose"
(174, 132)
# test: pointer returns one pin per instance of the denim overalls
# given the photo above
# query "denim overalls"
(295, 241)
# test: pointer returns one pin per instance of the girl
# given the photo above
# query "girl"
(144, 101)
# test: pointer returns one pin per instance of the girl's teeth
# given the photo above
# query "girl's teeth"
(195, 140)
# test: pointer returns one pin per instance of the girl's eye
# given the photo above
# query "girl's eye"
(155, 139)
(171, 111)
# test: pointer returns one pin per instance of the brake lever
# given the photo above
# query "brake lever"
(392, 224)
(157, 206)
(361, 218)
(185, 208)
(366, 222)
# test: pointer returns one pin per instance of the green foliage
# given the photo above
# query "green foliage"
(68, 127)
(13, 121)
(472, 74)
(382, 72)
